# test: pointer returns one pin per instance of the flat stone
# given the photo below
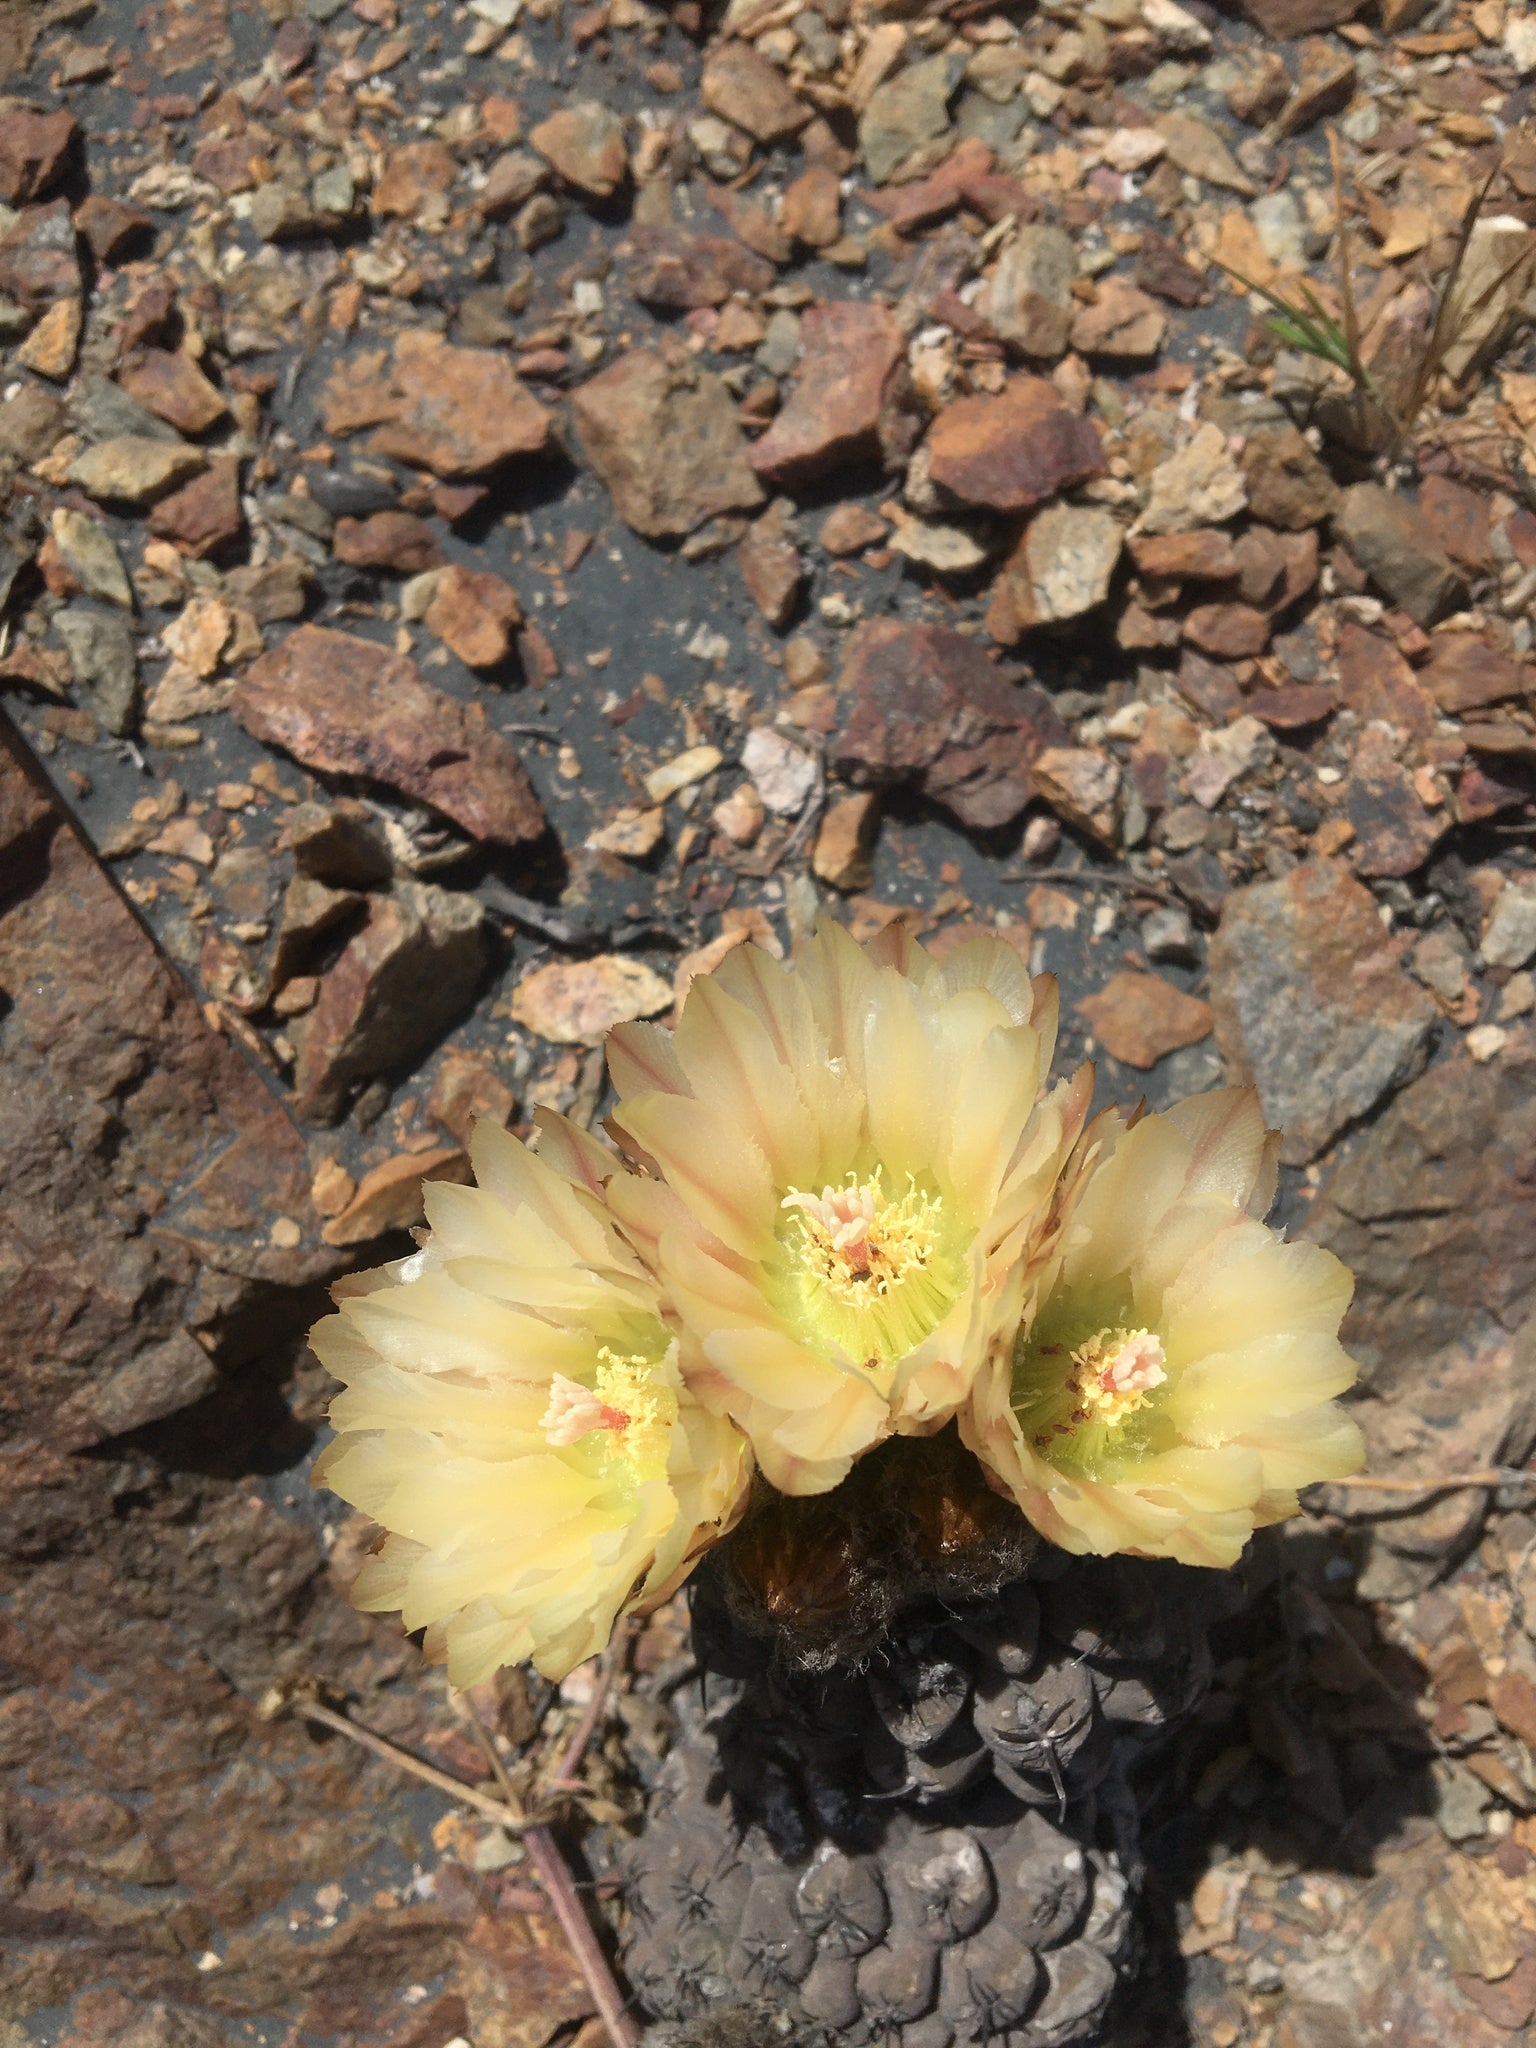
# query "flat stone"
(348, 706)
(679, 271)
(1286, 20)
(1287, 485)
(1199, 485)
(1398, 549)
(1138, 1018)
(475, 613)
(1509, 932)
(663, 436)
(30, 423)
(578, 1002)
(1060, 569)
(771, 566)
(841, 855)
(633, 832)
(1082, 786)
(847, 382)
(585, 144)
(204, 515)
(1012, 452)
(35, 150)
(908, 110)
(1121, 325)
(1460, 519)
(925, 708)
(467, 1088)
(1394, 832)
(1204, 554)
(940, 545)
(458, 412)
(742, 87)
(1029, 300)
(1229, 632)
(131, 470)
(782, 773)
(510, 183)
(750, 219)
(1312, 1005)
(850, 528)
(1196, 149)
(1325, 83)
(390, 1196)
(103, 662)
(1464, 673)
(340, 844)
(38, 258)
(88, 552)
(408, 974)
(397, 541)
(1378, 685)
(171, 385)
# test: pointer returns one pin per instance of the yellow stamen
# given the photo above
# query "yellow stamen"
(1116, 1370)
(627, 1403)
(860, 1242)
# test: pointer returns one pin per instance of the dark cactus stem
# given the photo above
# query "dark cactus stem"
(900, 1809)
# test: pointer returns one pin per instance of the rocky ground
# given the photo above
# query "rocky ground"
(502, 504)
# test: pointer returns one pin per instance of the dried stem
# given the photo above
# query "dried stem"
(564, 1778)
(1450, 1482)
(507, 1816)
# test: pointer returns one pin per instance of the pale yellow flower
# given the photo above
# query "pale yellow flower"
(515, 1418)
(1172, 1378)
(845, 1158)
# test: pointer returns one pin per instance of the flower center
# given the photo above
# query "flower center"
(1073, 1402)
(628, 1409)
(870, 1270)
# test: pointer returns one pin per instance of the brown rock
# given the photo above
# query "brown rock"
(770, 565)
(664, 438)
(849, 528)
(1204, 555)
(50, 348)
(1377, 684)
(742, 87)
(1029, 300)
(1311, 1003)
(1081, 785)
(578, 1002)
(111, 229)
(1228, 631)
(812, 212)
(34, 151)
(511, 181)
(311, 911)
(172, 385)
(1287, 485)
(1137, 1018)
(1195, 148)
(1459, 519)
(391, 1196)
(585, 144)
(204, 515)
(1163, 269)
(1123, 324)
(844, 839)
(848, 382)
(926, 708)
(467, 1088)
(350, 707)
(459, 412)
(398, 541)
(418, 177)
(1465, 674)
(749, 219)
(38, 259)
(1061, 568)
(1012, 452)
(476, 614)
(341, 844)
(1394, 833)
(408, 974)
(1286, 20)
(672, 268)
(1398, 549)
(1324, 84)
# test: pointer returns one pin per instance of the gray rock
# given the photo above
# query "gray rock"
(1312, 1004)
(101, 654)
(908, 110)
(87, 551)
(103, 411)
(1029, 301)
(1510, 937)
(1397, 548)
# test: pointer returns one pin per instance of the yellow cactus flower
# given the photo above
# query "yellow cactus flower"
(515, 1418)
(844, 1158)
(1171, 1382)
